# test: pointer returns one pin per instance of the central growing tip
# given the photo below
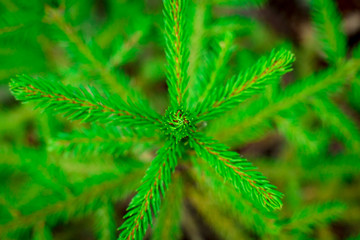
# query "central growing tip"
(178, 124)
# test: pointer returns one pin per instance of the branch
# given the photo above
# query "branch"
(199, 14)
(168, 223)
(246, 84)
(301, 91)
(105, 221)
(125, 50)
(41, 232)
(146, 202)
(212, 75)
(72, 205)
(227, 199)
(116, 81)
(11, 22)
(327, 21)
(339, 123)
(217, 219)
(176, 50)
(305, 219)
(238, 171)
(110, 140)
(297, 135)
(87, 105)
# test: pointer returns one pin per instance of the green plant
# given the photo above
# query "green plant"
(179, 123)
(205, 104)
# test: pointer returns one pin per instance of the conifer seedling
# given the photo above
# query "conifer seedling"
(125, 112)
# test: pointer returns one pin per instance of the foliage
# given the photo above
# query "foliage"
(183, 150)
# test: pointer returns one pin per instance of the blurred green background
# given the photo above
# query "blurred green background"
(51, 189)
